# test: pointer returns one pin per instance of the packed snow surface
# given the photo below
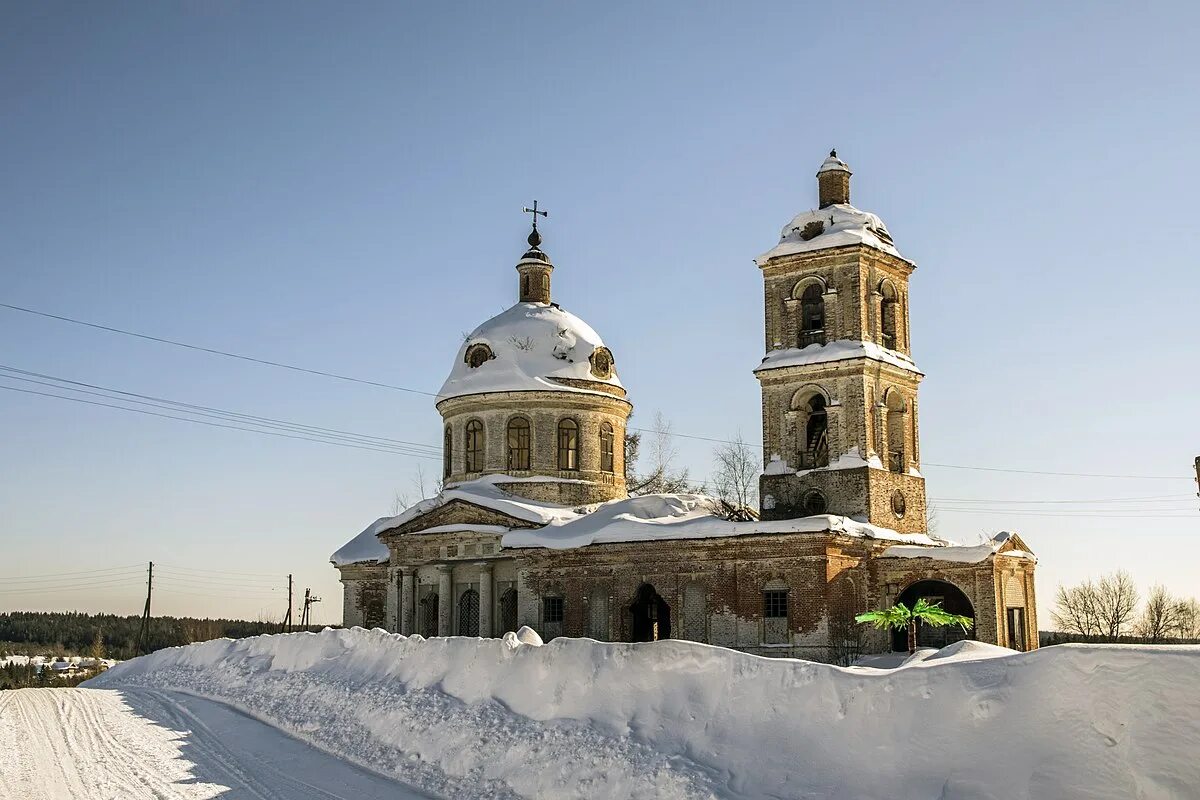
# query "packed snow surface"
(963, 554)
(535, 345)
(633, 519)
(837, 225)
(148, 744)
(475, 718)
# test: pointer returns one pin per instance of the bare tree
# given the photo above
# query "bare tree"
(735, 473)
(662, 477)
(1076, 611)
(1189, 619)
(1163, 615)
(1117, 600)
(420, 486)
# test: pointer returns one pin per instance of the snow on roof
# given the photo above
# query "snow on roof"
(681, 516)
(833, 164)
(634, 519)
(834, 351)
(534, 346)
(962, 554)
(837, 225)
(366, 547)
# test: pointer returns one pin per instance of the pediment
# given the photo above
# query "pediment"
(459, 512)
(1014, 542)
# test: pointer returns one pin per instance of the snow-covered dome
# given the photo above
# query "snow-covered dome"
(531, 347)
(837, 225)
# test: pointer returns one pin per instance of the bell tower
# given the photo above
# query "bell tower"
(839, 386)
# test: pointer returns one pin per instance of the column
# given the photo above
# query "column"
(445, 600)
(392, 609)
(833, 329)
(485, 599)
(407, 593)
(876, 318)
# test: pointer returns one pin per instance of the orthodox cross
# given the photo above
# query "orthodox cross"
(534, 211)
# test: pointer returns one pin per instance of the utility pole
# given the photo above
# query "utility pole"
(309, 599)
(287, 620)
(143, 637)
(1196, 464)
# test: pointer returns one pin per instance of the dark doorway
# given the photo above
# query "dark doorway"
(951, 598)
(651, 616)
(508, 610)
(1016, 628)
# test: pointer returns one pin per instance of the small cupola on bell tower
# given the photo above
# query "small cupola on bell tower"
(833, 181)
(534, 268)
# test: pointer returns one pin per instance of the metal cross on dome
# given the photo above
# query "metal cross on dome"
(534, 211)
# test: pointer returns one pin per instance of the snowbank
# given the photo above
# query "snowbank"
(473, 718)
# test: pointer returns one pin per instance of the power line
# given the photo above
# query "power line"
(271, 575)
(214, 424)
(216, 413)
(63, 574)
(213, 351)
(380, 384)
(1143, 499)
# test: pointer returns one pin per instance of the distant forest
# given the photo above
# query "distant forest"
(75, 633)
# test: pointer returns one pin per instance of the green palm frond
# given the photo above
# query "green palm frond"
(900, 615)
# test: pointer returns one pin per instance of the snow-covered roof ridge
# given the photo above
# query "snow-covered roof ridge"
(965, 554)
(534, 347)
(839, 350)
(633, 519)
(836, 225)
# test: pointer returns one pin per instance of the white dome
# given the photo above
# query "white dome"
(530, 347)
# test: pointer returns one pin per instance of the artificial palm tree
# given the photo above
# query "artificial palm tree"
(901, 616)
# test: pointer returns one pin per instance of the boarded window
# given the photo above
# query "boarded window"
(447, 452)
(518, 443)
(598, 615)
(695, 613)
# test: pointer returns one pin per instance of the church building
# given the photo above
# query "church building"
(535, 526)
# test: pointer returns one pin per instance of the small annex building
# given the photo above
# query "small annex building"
(534, 525)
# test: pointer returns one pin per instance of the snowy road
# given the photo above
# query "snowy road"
(98, 744)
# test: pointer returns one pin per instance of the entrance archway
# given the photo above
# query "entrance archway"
(651, 616)
(951, 598)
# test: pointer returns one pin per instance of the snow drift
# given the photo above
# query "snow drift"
(475, 718)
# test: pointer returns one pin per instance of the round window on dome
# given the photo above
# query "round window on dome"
(602, 363)
(477, 355)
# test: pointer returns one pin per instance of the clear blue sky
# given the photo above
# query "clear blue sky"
(340, 186)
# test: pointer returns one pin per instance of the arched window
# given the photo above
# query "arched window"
(606, 447)
(508, 610)
(813, 503)
(812, 316)
(468, 613)
(545, 284)
(815, 452)
(518, 443)
(568, 445)
(447, 452)
(473, 447)
(888, 312)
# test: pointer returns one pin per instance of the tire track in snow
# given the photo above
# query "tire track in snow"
(141, 744)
